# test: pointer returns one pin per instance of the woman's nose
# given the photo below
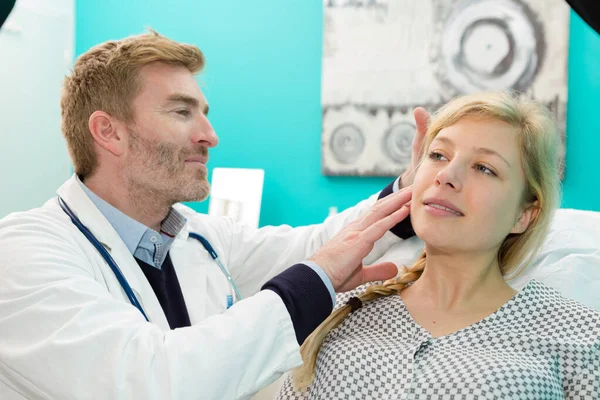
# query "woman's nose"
(449, 176)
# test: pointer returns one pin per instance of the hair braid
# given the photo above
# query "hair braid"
(304, 374)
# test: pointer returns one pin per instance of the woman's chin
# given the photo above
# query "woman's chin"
(438, 241)
(436, 233)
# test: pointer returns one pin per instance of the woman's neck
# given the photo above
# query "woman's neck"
(461, 282)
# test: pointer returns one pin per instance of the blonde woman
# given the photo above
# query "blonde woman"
(450, 326)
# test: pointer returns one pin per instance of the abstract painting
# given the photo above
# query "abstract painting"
(383, 58)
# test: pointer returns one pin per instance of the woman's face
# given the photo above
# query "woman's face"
(467, 194)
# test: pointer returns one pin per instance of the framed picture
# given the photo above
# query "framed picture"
(383, 58)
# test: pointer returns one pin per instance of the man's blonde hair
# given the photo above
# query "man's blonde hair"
(106, 78)
(539, 144)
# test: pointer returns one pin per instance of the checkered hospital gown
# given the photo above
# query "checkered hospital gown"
(539, 345)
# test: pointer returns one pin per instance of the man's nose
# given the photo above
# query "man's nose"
(205, 134)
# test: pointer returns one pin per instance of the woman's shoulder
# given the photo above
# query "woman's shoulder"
(342, 298)
(372, 308)
(550, 299)
(383, 319)
(558, 314)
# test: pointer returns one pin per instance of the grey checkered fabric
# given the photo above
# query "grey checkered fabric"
(539, 345)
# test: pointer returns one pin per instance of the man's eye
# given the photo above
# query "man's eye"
(184, 113)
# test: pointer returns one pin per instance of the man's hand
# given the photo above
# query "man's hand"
(422, 122)
(341, 257)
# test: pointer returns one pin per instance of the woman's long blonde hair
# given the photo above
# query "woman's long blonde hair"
(539, 144)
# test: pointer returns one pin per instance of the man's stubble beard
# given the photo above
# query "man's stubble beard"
(158, 172)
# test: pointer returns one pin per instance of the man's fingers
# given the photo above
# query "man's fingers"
(393, 201)
(379, 272)
(421, 120)
(376, 230)
(385, 207)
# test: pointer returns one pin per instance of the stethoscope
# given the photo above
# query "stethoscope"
(234, 292)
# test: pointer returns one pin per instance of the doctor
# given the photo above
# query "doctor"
(114, 290)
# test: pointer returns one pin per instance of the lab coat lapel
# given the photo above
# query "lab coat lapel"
(92, 218)
(189, 260)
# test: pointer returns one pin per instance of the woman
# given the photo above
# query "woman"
(450, 326)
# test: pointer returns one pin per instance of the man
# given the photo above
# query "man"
(105, 291)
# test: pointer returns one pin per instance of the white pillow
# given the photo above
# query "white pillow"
(569, 260)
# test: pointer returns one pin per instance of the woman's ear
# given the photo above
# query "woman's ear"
(527, 215)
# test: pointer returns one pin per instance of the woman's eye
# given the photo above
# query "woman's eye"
(435, 156)
(484, 170)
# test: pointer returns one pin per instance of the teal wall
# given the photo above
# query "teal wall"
(581, 186)
(262, 80)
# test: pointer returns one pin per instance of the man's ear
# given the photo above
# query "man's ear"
(527, 216)
(107, 132)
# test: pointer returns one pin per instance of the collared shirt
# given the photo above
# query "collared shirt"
(144, 243)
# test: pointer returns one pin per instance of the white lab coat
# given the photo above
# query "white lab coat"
(67, 330)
